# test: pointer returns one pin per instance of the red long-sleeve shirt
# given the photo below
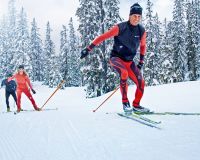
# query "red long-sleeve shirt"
(23, 82)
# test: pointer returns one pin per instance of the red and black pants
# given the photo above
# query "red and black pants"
(28, 94)
(129, 70)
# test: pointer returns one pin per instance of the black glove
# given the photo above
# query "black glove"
(140, 65)
(84, 53)
(34, 92)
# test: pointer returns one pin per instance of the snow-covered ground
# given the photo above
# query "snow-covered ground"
(74, 132)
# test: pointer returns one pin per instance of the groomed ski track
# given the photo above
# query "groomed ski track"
(74, 132)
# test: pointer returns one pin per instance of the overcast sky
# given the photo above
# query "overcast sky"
(58, 12)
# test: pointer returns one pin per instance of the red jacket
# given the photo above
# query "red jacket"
(23, 81)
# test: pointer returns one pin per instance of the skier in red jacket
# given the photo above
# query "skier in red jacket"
(128, 36)
(23, 85)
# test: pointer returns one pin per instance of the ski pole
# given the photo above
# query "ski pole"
(106, 99)
(59, 86)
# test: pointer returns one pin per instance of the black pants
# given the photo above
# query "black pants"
(7, 97)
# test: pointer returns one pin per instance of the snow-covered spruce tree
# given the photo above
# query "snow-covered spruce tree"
(191, 42)
(88, 28)
(150, 57)
(64, 57)
(8, 34)
(97, 71)
(36, 57)
(166, 56)
(158, 35)
(197, 34)
(22, 43)
(74, 56)
(11, 34)
(110, 10)
(178, 41)
(4, 47)
(55, 76)
(92, 15)
(49, 52)
(12, 13)
(1, 48)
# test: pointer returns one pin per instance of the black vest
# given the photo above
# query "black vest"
(127, 41)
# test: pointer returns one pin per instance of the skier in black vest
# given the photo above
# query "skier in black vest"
(128, 36)
(9, 90)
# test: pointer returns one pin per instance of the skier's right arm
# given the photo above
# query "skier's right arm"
(114, 31)
(11, 78)
(3, 83)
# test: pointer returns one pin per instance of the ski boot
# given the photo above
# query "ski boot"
(38, 109)
(8, 109)
(140, 109)
(127, 108)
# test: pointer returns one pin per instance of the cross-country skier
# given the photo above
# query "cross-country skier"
(128, 36)
(10, 89)
(23, 85)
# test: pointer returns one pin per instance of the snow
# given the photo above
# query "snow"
(74, 132)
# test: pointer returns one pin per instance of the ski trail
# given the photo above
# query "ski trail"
(9, 147)
(74, 139)
(73, 132)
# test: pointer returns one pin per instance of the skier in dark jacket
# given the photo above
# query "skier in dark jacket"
(128, 36)
(10, 89)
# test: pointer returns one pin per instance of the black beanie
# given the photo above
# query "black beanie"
(21, 67)
(135, 9)
(9, 75)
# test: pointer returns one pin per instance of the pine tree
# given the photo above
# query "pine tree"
(8, 34)
(64, 57)
(52, 74)
(49, 56)
(22, 42)
(36, 53)
(55, 76)
(110, 77)
(158, 35)
(178, 41)
(166, 57)
(197, 35)
(95, 68)
(1, 48)
(11, 34)
(191, 42)
(88, 29)
(12, 14)
(4, 48)
(74, 70)
(150, 57)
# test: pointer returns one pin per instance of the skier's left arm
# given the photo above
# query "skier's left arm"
(142, 50)
(29, 83)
